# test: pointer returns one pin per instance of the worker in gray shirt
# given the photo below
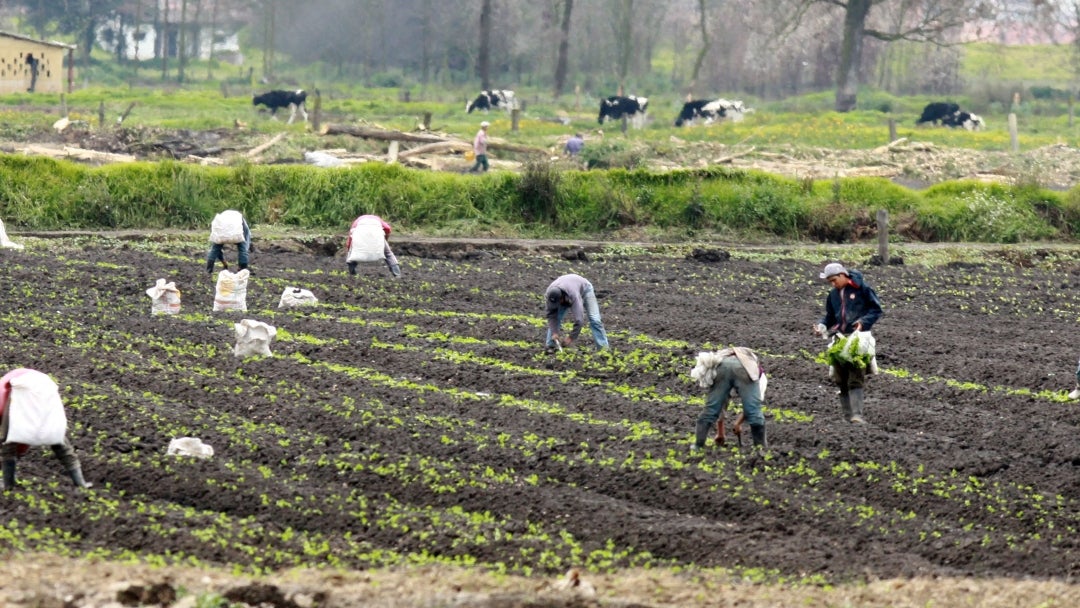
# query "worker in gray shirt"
(573, 293)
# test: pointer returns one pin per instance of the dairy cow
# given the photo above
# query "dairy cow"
(967, 120)
(936, 112)
(710, 110)
(616, 107)
(276, 100)
(486, 100)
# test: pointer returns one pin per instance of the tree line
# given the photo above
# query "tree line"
(696, 48)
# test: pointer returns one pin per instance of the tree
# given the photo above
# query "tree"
(483, 61)
(564, 48)
(928, 21)
(704, 43)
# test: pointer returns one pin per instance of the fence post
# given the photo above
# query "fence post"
(514, 115)
(316, 115)
(892, 130)
(1014, 137)
(427, 121)
(101, 114)
(883, 235)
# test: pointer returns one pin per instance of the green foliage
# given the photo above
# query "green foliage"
(45, 194)
(846, 350)
(538, 189)
(973, 211)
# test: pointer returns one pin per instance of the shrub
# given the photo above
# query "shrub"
(538, 191)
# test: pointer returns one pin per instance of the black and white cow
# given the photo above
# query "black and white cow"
(277, 99)
(497, 98)
(633, 108)
(710, 110)
(937, 111)
(967, 120)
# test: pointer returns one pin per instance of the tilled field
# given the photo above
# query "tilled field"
(420, 420)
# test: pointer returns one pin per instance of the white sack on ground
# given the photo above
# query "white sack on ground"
(4, 242)
(189, 446)
(227, 227)
(368, 241)
(164, 298)
(231, 291)
(253, 338)
(35, 412)
(294, 296)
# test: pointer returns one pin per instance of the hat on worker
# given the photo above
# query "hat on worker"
(485, 124)
(833, 269)
(554, 300)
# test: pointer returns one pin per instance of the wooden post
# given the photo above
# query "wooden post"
(577, 97)
(224, 89)
(883, 235)
(427, 121)
(101, 114)
(624, 123)
(1072, 109)
(63, 105)
(392, 153)
(1014, 137)
(316, 113)
(892, 130)
(515, 114)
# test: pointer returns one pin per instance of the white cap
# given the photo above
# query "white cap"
(485, 124)
(832, 269)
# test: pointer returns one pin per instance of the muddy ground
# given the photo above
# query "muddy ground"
(986, 350)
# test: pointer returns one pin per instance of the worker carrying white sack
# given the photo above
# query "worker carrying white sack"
(368, 242)
(31, 413)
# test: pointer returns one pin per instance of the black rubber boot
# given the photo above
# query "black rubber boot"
(856, 396)
(352, 268)
(757, 431)
(845, 406)
(395, 270)
(9, 474)
(703, 431)
(210, 267)
(77, 477)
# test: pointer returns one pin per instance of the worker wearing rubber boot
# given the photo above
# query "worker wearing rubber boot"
(852, 305)
(369, 241)
(722, 372)
(229, 227)
(31, 414)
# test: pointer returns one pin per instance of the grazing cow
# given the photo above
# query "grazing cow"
(499, 98)
(967, 120)
(710, 110)
(615, 108)
(937, 111)
(277, 99)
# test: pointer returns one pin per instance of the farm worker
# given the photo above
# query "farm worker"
(228, 227)
(47, 422)
(370, 235)
(1075, 394)
(574, 293)
(852, 305)
(574, 145)
(721, 372)
(479, 146)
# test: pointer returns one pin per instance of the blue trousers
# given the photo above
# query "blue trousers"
(732, 375)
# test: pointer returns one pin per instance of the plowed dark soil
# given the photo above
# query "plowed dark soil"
(976, 359)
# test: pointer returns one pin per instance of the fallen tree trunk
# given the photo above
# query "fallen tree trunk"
(387, 135)
(69, 152)
(436, 148)
(380, 134)
(262, 148)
